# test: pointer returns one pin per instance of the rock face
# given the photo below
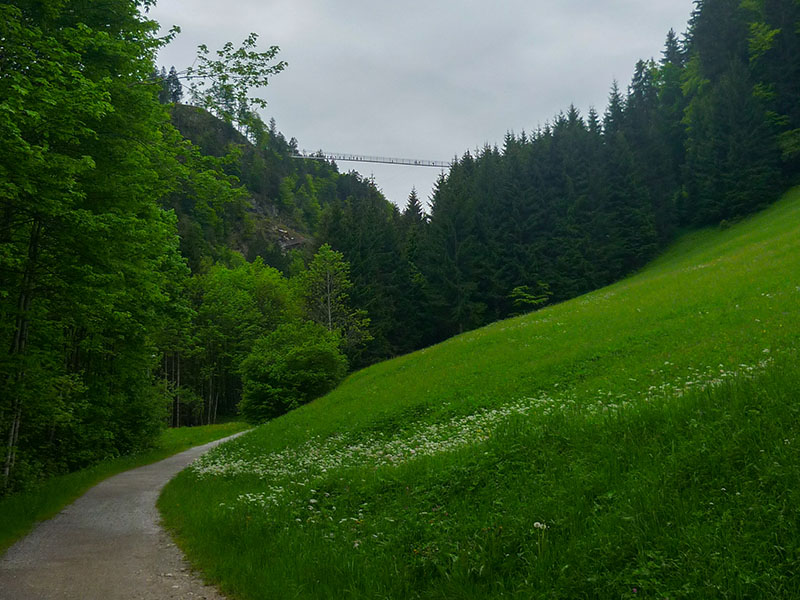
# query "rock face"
(107, 545)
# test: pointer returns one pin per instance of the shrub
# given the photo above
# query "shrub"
(289, 367)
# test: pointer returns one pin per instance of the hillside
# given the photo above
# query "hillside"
(282, 198)
(638, 441)
(708, 132)
(259, 225)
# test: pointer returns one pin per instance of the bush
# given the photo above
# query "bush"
(289, 367)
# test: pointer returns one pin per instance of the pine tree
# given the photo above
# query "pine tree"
(670, 128)
(174, 86)
(615, 112)
(672, 54)
(646, 127)
(732, 149)
(164, 91)
(413, 214)
(628, 213)
(593, 122)
(774, 44)
(718, 34)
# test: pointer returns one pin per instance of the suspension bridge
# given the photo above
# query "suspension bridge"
(343, 156)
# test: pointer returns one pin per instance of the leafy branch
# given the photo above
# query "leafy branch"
(222, 84)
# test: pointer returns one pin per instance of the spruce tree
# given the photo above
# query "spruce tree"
(646, 128)
(615, 112)
(673, 53)
(449, 253)
(732, 149)
(413, 213)
(774, 45)
(669, 126)
(174, 86)
(164, 91)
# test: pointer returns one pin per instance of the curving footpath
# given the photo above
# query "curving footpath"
(107, 545)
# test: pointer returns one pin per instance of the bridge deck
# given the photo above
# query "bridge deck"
(340, 156)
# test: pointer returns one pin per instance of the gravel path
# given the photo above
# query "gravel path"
(107, 545)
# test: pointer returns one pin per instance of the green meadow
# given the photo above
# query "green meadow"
(23, 510)
(640, 441)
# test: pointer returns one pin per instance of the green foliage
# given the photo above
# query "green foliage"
(99, 338)
(82, 165)
(207, 199)
(736, 108)
(234, 308)
(651, 430)
(222, 84)
(524, 298)
(703, 135)
(99, 323)
(762, 39)
(790, 144)
(170, 86)
(294, 364)
(366, 229)
(174, 86)
(280, 202)
(324, 288)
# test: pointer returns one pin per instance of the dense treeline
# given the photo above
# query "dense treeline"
(104, 324)
(86, 252)
(263, 214)
(707, 134)
(230, 317)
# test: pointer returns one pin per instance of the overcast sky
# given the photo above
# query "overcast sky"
(427, 79)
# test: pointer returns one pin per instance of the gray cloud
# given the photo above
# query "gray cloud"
(426, 79)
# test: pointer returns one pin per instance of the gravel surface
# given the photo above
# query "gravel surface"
(107, 545)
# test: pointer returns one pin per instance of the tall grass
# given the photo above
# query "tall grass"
(20, 512)
(638, 442)
(695, 498)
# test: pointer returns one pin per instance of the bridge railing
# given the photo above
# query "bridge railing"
(342, 156)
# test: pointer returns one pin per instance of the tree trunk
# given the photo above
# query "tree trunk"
(216, 404)
(165, 375)
(13, 437)
(210, 398)
(178, 391)
(18, 344)
(329, 299)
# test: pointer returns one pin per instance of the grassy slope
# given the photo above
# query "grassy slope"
(22, 511)
(660, 467)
